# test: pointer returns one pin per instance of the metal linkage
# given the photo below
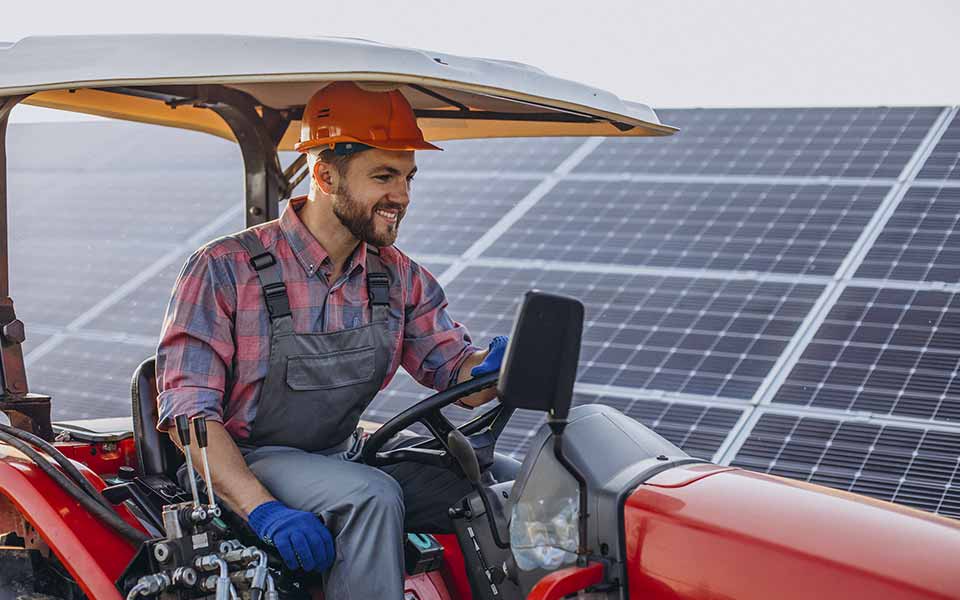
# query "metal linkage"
(30, 412)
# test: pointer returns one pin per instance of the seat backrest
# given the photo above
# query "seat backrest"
(156, 452)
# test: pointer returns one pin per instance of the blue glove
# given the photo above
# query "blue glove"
(301, 537)
(494, 357)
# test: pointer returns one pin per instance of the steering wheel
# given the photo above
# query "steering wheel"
(435, 451)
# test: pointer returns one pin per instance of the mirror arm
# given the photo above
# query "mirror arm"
(556, 427)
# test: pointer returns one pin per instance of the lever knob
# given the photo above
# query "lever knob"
(183, 429)
(200, 430)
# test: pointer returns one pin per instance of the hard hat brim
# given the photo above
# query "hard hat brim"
(383, 145)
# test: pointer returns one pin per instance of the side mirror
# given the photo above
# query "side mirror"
(540, 364)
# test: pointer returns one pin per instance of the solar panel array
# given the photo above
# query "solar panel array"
(774, 289)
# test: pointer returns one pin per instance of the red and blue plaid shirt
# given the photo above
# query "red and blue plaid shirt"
(214, 348)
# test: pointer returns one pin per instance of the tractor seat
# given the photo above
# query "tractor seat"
(156, 452)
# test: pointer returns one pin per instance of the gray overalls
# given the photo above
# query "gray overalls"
(317, 386)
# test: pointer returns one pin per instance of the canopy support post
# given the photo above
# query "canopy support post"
(30, 412)
(258, 133)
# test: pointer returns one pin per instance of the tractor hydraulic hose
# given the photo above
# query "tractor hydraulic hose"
(105, 514)
(71, 470)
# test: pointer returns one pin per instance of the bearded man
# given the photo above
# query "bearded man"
(282, 334)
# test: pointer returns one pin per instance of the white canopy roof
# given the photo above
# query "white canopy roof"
(510, 99)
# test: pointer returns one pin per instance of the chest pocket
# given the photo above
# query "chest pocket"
(331, 370)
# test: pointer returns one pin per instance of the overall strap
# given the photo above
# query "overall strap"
(378, 284)
(268, 271)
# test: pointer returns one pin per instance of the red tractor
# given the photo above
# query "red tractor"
(603, 507)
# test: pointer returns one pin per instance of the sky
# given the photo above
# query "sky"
(668, 53)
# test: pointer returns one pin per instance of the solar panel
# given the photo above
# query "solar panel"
(802, 229)
(446, 216)
(921, 241)
(53, 281)
(823, 142)
(914, 466)
(88, 379)
(698, 336)
(150, 209)
(883, 351)
(698, 258)
(117, 147)
(944, 161)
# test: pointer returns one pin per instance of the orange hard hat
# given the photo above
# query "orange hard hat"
(343, 112)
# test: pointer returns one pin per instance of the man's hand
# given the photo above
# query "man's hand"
(482, 363)
(301, 537)
(494, 357)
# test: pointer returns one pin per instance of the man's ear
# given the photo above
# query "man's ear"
(323, 176)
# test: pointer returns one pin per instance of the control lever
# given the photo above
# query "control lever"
(183, 431)
(200, 429)
(466, 456)
(462, 450)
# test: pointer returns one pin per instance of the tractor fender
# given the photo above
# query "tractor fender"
(706, 532)
(30, 501)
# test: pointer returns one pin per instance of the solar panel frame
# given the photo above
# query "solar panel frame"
(815, 142)
(908, 464)
(726, 327)
(921, 239)
(884, 351)
(944, 159)
(798, 229)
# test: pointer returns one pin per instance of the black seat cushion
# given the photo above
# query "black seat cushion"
(156, 452)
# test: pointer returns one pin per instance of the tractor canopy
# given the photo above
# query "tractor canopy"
(170, 79)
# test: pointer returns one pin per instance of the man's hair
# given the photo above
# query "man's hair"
(338, 162)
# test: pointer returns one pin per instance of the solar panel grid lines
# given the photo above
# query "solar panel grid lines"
(696, 336)
(920, 241)
(469, 208)
(944, 160)
(883, 351)
(733, 227)
(88, 379)
(836, 142)
(643, 178)
(897, 193)
(859, 249)
(639, 270)
(132, 284)
(578, 153)
(911, 465)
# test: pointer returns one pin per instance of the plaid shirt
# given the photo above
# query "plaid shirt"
(214, 348)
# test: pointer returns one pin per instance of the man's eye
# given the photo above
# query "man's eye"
(383, 178)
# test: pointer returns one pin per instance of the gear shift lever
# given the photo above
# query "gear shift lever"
(462, 450)
(183, 431)
(200, 430)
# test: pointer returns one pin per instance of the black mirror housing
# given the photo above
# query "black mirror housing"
(540, 365)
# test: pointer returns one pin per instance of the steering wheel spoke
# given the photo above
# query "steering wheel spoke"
(434, 451)
(437, 458)
(438, 424)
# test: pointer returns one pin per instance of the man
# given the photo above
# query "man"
(281, 335)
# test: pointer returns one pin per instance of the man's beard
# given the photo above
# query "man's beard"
(361, 223)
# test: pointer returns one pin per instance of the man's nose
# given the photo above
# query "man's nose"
(401, 193)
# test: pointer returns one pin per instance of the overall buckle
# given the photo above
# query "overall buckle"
(378, 288)
(278, 304)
